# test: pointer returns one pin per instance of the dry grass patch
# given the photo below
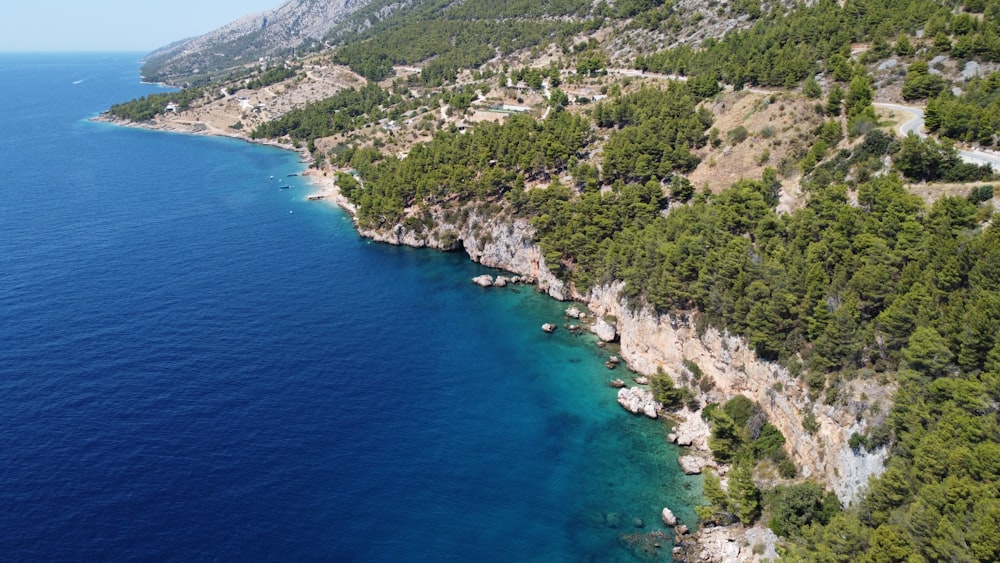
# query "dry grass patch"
(755, 131)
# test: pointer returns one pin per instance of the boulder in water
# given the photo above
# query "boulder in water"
(637, 401)
(484, 280)
(668, 517)
(604, 330)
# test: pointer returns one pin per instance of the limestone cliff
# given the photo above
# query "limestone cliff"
(650, 341)
(506, 245)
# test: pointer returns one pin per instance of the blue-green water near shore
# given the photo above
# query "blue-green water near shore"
(199, 365)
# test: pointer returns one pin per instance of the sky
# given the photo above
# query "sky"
(114, 25)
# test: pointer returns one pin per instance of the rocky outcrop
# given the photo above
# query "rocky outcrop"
(637, 401)
(691, 430)
(731, 544)
(693, 465)
(484, 280)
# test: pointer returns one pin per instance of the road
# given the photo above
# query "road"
(915, 125)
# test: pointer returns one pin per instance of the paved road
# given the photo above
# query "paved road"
(916, 125)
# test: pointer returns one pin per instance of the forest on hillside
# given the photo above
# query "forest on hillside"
(865, 281)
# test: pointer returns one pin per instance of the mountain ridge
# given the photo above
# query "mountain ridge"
(292, 25)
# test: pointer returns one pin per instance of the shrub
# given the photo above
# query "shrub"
(809, 423)
(980, 194)
(737, 135)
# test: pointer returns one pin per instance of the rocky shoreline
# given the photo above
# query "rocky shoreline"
(649, 342)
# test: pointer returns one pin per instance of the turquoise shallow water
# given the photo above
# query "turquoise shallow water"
(198, 365)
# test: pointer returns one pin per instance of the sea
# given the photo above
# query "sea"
(196, 364)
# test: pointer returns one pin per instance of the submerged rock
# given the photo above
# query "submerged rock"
(637, 401)
(613, 519)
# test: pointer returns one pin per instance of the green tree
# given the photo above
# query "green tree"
(665, 391)
(834, 100)
(811, 88)
(796, 506)
(928, 353)
(903, 46)
(920, 83)
(744, 496)
(717, 509)
(725, 441)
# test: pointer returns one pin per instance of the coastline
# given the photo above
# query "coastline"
(185, 127)
(649, 342)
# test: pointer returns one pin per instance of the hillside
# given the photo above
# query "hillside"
(726, 180)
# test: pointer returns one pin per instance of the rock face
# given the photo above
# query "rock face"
(604, 330)
(637, 401)
(507, 246)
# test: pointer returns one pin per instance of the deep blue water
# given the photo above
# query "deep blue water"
(197, 365)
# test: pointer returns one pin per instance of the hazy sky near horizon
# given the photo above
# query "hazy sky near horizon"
(114, 25)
